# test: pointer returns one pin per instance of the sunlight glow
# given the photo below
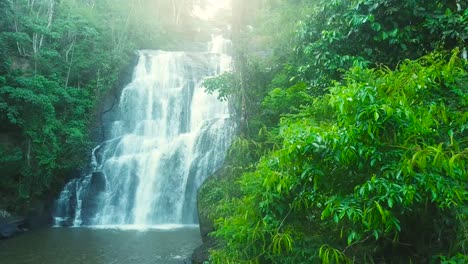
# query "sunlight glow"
(211, 9)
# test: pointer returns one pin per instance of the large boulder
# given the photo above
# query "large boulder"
(39, 214)
(11, 225)
(91, 198)
(98, 182)
(202, 253)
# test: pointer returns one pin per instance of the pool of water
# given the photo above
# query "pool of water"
(109, 245)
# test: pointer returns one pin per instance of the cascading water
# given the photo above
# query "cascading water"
(169, 137)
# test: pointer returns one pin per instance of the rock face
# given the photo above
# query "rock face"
(108, 107)
(98, 181)
(10, 225)
(205, 223)
(202, 253)
(37, 215)
(72, 210)
(97, 185)
(64, 213)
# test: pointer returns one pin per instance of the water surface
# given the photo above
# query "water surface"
(101, 246)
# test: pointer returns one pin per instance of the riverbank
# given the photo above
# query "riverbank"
(36, 217)
(10, 225)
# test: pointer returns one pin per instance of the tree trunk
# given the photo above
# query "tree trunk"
(240, 61)
(50, 16)
(72, 50)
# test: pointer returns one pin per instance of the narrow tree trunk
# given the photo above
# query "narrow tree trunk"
(17, 43)
(174, 10)
(123, 34)
(464, 54)
(72, 50)
(28, 153)
(240, 61)
(50, 16)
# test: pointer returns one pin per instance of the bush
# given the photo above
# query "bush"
(381, 179)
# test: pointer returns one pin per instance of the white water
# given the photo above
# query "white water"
(169, 137)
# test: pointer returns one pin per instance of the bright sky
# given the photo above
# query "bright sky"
(211, 9)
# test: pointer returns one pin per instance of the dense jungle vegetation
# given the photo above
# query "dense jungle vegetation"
(57, 61)
(353, 119)
(353, 145)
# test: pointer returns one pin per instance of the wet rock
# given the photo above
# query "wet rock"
(202, 253)
(11, 225)
(91, 197)
(65, 205)
(38, 215)
(8, 230)
(98, 182)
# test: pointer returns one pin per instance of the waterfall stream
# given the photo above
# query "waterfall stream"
(168, 137)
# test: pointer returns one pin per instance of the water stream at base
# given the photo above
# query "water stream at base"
(159, 244)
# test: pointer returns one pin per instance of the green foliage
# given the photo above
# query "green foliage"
(383, 177)
(288, 101)
(341, 34)
(330, 255)
(52, 142)
(244, 102)
(459, 258)
(10, 161)
(354, 164)
(225, 85)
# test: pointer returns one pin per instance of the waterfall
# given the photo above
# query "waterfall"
(168, 137)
